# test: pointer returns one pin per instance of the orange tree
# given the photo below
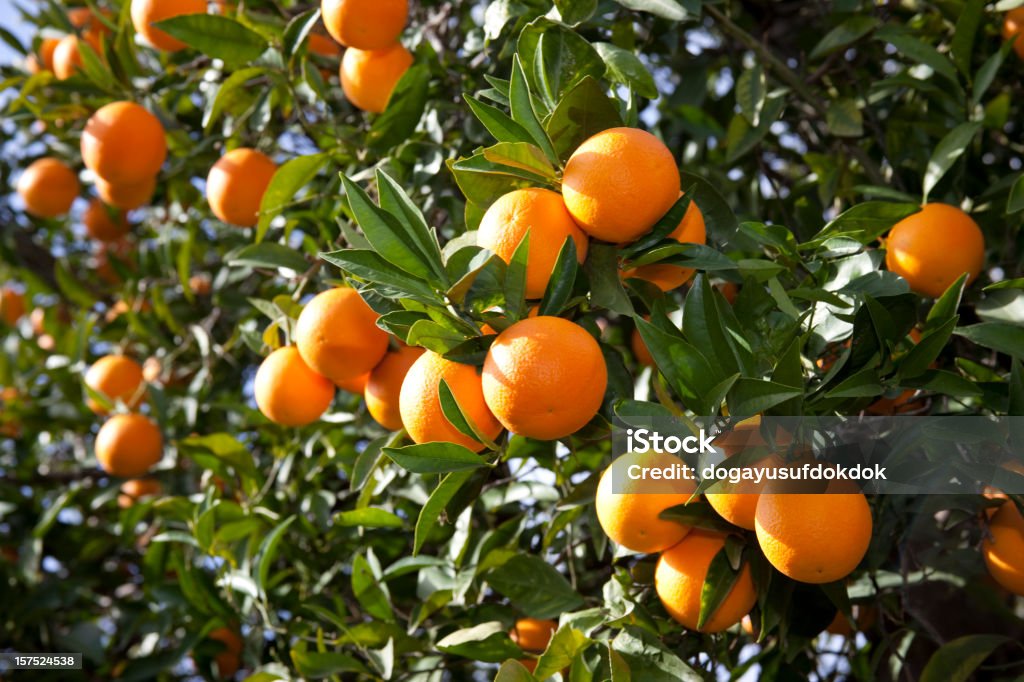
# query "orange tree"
(316, 319)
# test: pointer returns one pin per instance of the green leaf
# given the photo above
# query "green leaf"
(555, 58)
(1001, 337)
(515, 279)
(987, 73)
(396, 202)
(216, 36)
(719, 218)
(718, 584)
(367, 265)
(667, 9)
(368, 517)
(404, 110)
(268, 552)
(563, 277)
(649, 660)
(927, 350)
(920, 52)
(430, 514)
(864, 222)
(513, 671)
(751, 89)
(320, 664)
(454, 413)
(386, 233)
(269, 255)
(435, 458)
(498, 123)
(534, 587)
(754, 396)
(843, 35)
(369, 592)
(963, 35)
(623, 66)
(575, 11)
(947, 151)
(956, 661)
(584, 111)
(523, 112)
(565, 645)
(1015, 201)
(288, 179)
(487, 642)
(602, 268)
(296, 33)
(844, 118)
(741, 137)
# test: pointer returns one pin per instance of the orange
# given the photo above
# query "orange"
(236, 184)
(355, 385)
(630, 516)
(46, 50)
(88, 20)
(540, 212)
(288, 392)
(136, 489)
(12, 305)
(323, 46)
(933, 247)
(533, 634)
(126, 196)
(814, 538)
(385, 386)
(863, 617)
(420, 405)
(667, 277)
(102, 225)
(369, 77)
(531, 365)
(739, 505)
(1004, 549)
(67, 58)
(123, 143)
(619, 183)
(48, 187)
(229, 659)
(127, 445)
(117, 378)
(200, 284)
(1012, 24)
(365, 24)
(679, 579)
(338, 336)
(729, 291)
(145, 13)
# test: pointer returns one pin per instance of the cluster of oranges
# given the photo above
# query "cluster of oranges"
(128, 444)
(63, 56)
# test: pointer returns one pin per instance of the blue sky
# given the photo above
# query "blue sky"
(10, 18)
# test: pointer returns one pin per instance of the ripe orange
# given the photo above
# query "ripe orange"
(12, 305)
(739, 505)
(1012, 25)
(385, 386)
(127, 445)
(288, 392)
(338, 336)
(814, 538)
(323, 46)
(420, 405)
(369, 77)
(933, 247)
(542, 213)
(145, 13)
(1004, 550)
(123, 143)
(729, 291)
(533, 634)
(101, 225)
(236, 184)
(46, 50)
(88, 20)
(667, 277)
(67, 56)
(529, 366)
(365, 24)
(355, 385)
(136, 489)
(619, 183)
(126, 196)
(48, 187)
(117, 378)
(630, 516)
(679, 579)
(229, 659)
